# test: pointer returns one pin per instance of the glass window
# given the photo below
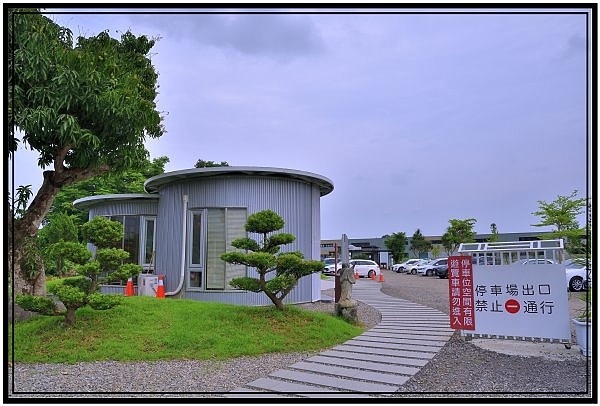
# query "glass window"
(209, 237)
(147, 243)
(131, 238)
(196, 231)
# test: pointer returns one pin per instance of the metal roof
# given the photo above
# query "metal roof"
(86, 202)
(153, 184)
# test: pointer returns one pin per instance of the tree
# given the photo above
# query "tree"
(209, 164)
(495, 236)
(419, 245)
(127, 181)
(459, 231)
(85, 108)
(78, 291)
(396, 243)
(264, 256)
(562, 214)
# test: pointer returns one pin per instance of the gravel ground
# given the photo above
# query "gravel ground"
(460, 370)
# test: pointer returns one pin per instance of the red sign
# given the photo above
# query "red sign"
(512, 306)
(460, 293)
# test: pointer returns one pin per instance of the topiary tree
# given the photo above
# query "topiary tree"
(265, 257)
(79, 291)
(105, 234)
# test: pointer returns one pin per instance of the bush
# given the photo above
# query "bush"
(98, 301)
(39, 304)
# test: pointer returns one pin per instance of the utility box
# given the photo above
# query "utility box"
(147, 284)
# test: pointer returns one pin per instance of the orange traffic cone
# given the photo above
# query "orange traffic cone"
(129, 287)
(380, 276)
(160, 290)
(373, 276)
(355, 275)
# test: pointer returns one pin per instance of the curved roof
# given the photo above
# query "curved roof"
(86, 202)
(153, 184)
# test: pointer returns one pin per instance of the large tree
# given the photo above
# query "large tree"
(86, 108)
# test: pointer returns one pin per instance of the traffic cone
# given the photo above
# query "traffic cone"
(160, 290)
(373, 276)
(129, 287)
(355, 274)
(380, 276)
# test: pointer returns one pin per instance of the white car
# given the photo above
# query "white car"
(412, 269)
(365, 267)
(430, 268)
(404, 265)
(578, 277)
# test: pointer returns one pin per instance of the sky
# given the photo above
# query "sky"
(416, 118)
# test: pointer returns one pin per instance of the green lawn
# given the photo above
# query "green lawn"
(146, 328)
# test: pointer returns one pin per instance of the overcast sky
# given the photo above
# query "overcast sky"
(415, 118)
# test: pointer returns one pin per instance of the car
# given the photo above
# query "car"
(365, 267)
(402, 267)
(442, 272)
(412, 269)
(330, 267)
(431, 268)
(577, 275)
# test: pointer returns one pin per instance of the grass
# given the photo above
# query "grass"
(146, 328)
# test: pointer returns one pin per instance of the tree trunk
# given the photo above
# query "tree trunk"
(28, 225)
(70, 317)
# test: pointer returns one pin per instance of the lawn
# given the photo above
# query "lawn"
(147, 328)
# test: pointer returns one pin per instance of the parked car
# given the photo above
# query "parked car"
(577, 275)
(432, 267)
(330, 266)
(365, 267)
(442, 271)
(412, 269)
(330, 261)
(402, 267)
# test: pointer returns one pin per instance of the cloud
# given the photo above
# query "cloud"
(279, 36)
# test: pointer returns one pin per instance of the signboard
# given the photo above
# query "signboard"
(521, 300)
(460, 293)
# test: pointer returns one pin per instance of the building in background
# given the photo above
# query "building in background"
(375, 249)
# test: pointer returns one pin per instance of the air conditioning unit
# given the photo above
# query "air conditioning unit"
(147, 284)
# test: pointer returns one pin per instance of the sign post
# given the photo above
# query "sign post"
(499, 296)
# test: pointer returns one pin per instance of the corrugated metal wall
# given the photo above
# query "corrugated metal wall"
(296, 201)
(125, 207)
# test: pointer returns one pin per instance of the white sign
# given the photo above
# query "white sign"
(521, 300)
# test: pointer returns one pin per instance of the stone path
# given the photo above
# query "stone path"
(376, 362)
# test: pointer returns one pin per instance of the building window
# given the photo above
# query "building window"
(138, 240)
(211, 232)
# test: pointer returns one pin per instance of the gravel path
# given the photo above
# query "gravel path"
(460, 370)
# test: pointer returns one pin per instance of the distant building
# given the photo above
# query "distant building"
(375, 249)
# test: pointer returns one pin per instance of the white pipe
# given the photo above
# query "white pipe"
(183, 235)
